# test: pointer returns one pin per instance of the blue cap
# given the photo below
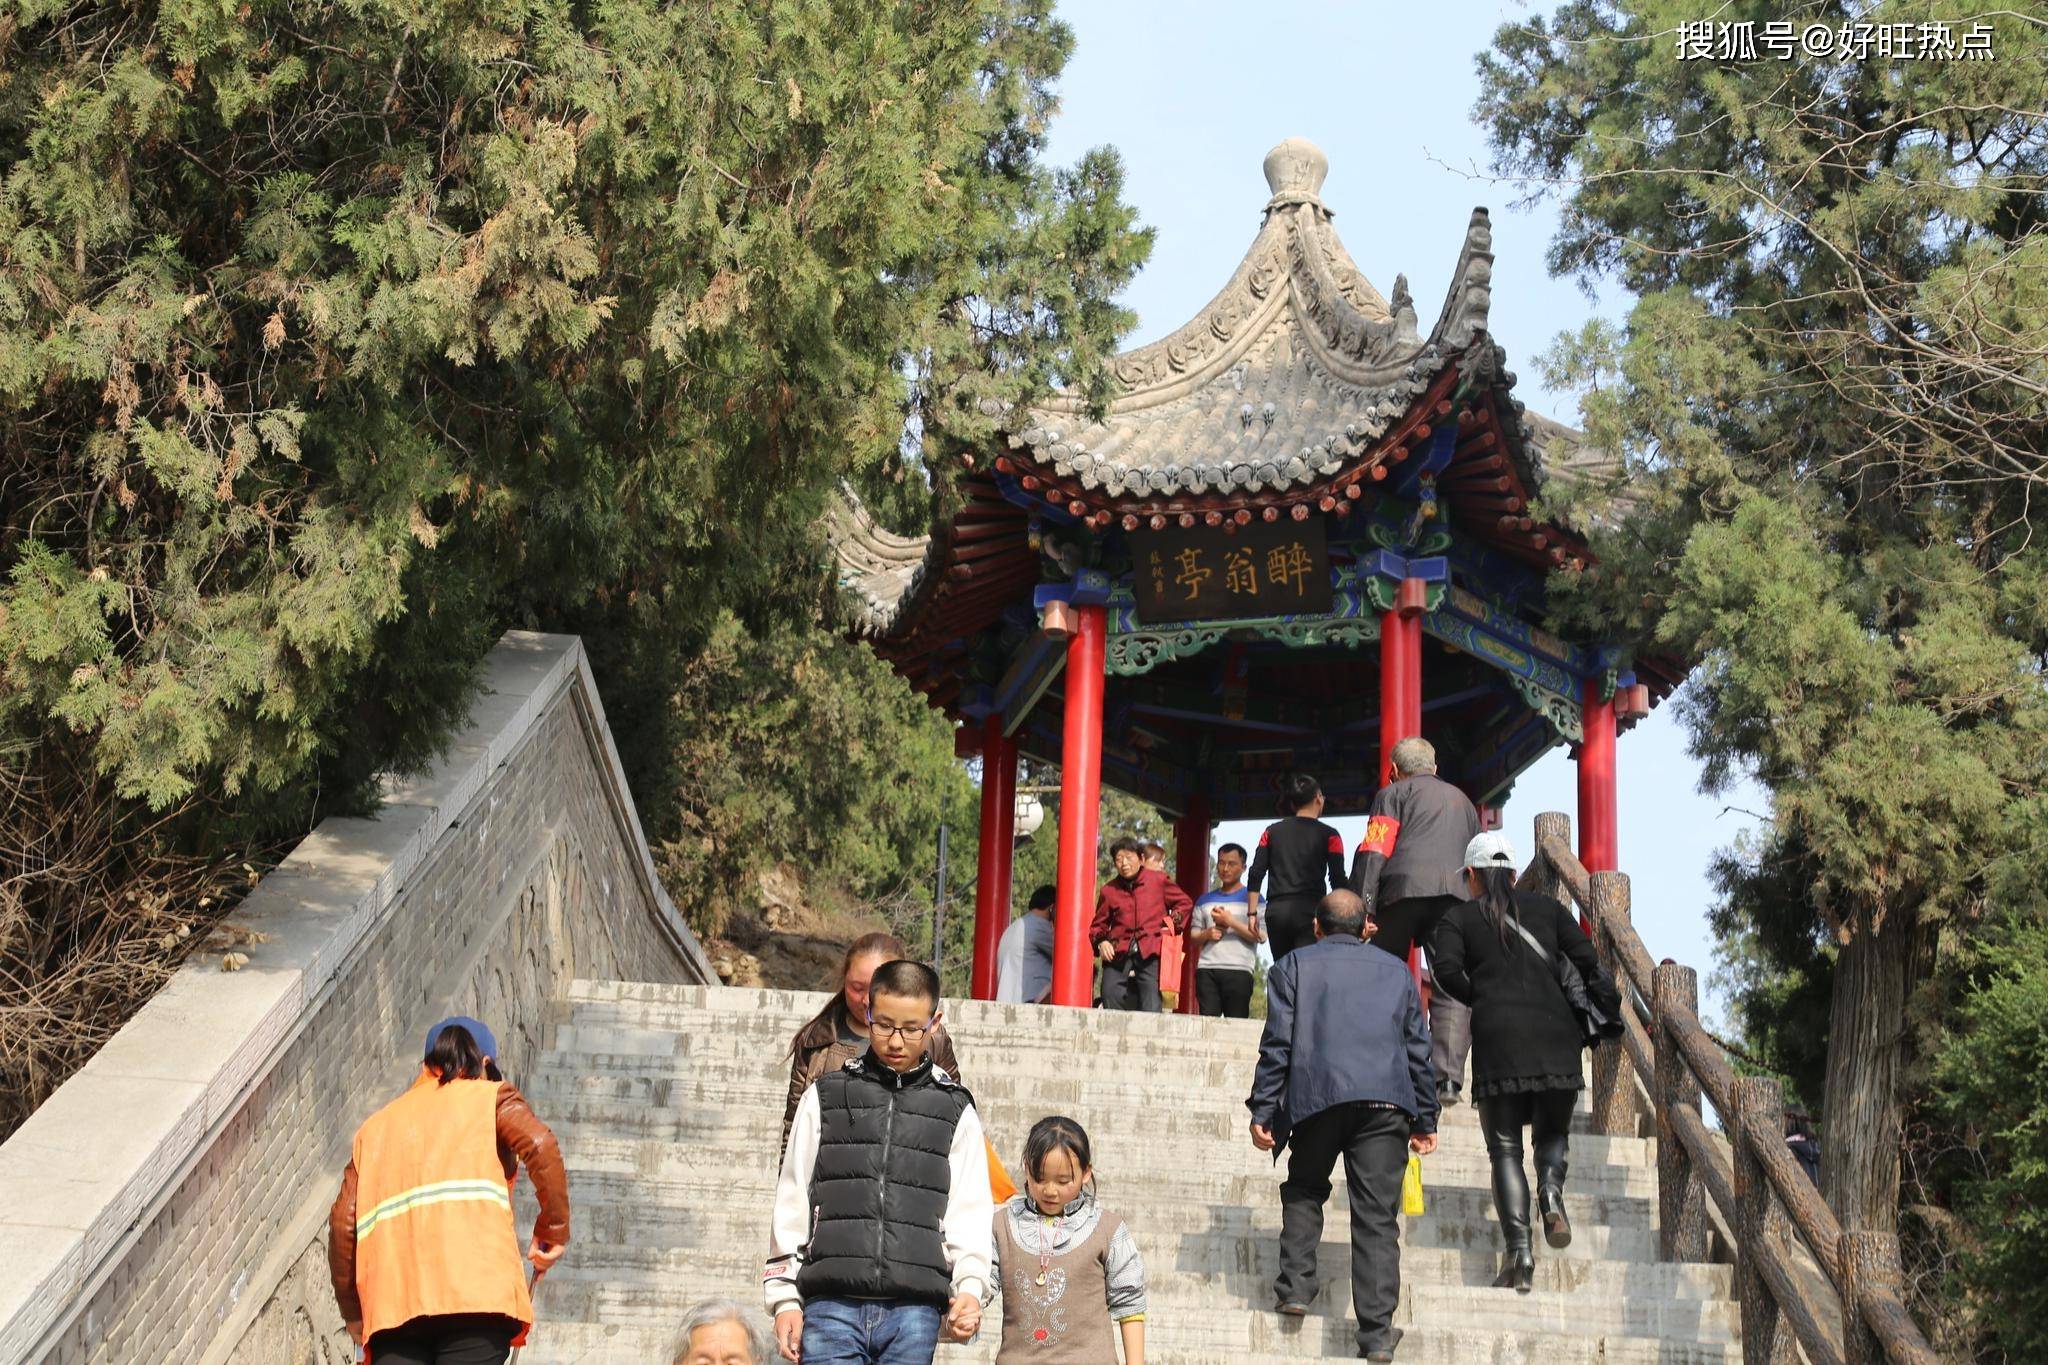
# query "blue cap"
(485, 1043)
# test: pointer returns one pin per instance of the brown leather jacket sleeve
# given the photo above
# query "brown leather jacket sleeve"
(800, 1077)
(341, 1247)
(523, 1136)
(942, 1053)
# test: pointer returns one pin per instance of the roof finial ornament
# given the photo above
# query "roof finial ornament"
(1403, 305)
(1295, 170)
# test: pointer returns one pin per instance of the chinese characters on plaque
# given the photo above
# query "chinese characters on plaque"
(1202, 573)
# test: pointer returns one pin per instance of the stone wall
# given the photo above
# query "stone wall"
(169, 1201)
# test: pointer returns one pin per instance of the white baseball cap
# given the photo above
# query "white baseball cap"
(1490, 849)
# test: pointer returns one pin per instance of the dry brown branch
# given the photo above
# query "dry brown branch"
(97, 909)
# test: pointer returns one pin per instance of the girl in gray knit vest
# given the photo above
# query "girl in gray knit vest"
(1066, 1267)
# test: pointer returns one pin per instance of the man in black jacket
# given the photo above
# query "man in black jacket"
(1344, 1071)
(1410, 870)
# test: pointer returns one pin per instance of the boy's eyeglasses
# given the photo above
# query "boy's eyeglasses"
(904, 1031)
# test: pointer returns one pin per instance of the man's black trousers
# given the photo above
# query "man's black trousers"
(1414, 921)
(1130, 982)
(1224, 993)
(1374, 1144)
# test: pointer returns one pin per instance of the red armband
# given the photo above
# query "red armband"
(1337, 845)
(1382, 832)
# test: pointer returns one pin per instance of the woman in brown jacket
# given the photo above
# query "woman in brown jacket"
(839, 1032)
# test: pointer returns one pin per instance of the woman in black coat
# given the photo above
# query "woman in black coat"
(1527, 1053)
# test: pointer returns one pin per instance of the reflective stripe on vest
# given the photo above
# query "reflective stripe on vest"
(441, 1192)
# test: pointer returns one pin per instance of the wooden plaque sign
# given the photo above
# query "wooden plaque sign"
(1202, 573)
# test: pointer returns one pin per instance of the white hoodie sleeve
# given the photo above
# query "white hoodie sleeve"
(969, 1228)
(791, 1228)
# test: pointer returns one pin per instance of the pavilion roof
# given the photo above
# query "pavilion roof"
(1299, 390)
(1296, 376)
(1298, 383)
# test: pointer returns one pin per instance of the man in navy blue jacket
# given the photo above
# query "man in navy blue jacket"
(1344, 1071)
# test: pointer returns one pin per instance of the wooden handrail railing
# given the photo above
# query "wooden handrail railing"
(1760, 1190)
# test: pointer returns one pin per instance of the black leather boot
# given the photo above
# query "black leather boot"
(1557, 1229)
(1551, 1146)
(1511, 1205)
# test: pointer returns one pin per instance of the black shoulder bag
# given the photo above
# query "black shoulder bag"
(1594, 1025)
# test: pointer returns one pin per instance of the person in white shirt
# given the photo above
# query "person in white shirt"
(1024, 957)
(882, 1235)
(1226, 924)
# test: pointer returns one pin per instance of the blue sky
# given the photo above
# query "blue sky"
(1193, 94)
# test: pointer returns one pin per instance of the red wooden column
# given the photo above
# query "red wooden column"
(1073, 961)
(1400, 680)
(1599, 796)
(1191, 870)
(1401, 691)
(998, 843)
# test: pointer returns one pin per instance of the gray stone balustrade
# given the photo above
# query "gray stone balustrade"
(168, 1202)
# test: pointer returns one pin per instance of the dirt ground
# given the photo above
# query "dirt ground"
(784, 940)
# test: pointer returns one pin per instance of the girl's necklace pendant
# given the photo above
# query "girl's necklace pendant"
(1044, 1248)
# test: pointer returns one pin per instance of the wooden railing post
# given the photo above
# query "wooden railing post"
(1867, 1258)
(1766, 1337)
(1681, 1196)
(1614, 1109)
(1550, 824)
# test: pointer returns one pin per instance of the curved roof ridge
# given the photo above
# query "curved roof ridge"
(1215, 338)
(883, 568)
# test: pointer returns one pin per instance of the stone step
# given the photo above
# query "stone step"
(978, 1054)
(675, 1087)
(1218, 1137)
(1202, 1269)
(577, 1343)
(1233, 1324)
(654, 1052)
(772, 1034)
(1162, 1062)
(730, 1205)
(1231, 1173)
(1200, 1123)
(793, 1008)
(685, 1228)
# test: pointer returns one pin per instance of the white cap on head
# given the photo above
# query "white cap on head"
(1490, 849)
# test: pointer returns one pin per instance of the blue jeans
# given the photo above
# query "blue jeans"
(850, 1332)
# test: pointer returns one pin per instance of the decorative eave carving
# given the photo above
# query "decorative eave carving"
(880, 568)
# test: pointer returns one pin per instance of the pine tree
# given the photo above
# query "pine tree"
(1832, 390)
(336, 338)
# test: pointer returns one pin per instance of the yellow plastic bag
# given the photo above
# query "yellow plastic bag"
(1411, 1188)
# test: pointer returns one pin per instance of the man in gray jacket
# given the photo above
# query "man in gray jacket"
(1344, 1071)
(1410, 870)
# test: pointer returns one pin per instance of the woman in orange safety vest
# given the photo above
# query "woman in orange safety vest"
(420, 1241)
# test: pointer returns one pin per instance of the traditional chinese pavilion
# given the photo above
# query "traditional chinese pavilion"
(1300, 532)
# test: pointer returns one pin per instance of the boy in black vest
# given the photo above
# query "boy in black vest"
(883, 1238)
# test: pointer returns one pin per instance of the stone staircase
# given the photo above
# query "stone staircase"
(668, 1103)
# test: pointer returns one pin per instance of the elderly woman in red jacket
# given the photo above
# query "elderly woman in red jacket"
(1133, 912)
